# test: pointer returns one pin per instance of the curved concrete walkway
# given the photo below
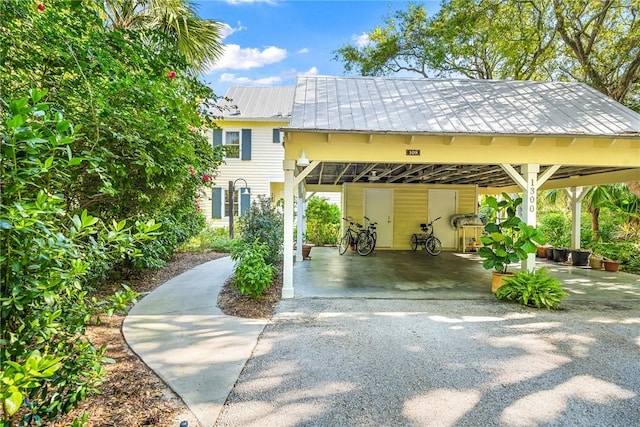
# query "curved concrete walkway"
(181, 334)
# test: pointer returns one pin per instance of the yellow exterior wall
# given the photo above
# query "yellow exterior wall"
(410, 206)
(579, 151)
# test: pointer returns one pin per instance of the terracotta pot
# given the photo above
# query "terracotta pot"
(580, 258)
(542, 252)
(611, 265)
(497, 280)
(306, 250)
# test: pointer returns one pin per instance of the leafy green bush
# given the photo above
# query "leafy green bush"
(215, 239)
(535, 289)
(556, 229)
(511, 239)
(46, 256)
(323, 222)
(628, 253)
(264, 222)
(252, 275)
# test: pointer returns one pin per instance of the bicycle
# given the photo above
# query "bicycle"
(431, 243)
(350, 237)
(367, 238)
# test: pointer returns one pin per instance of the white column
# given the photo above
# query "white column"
(530, 199)
(287, 279)
(576, 194)
(300, 212)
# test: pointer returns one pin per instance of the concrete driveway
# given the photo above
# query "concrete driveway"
(365, 344)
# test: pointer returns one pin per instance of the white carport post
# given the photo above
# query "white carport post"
(529, 182)
(287, 277)
(302, 206)
(290, 181)
(576, 194)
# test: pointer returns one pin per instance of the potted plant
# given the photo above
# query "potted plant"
(610, 260)
(507, 241)
(580, 257)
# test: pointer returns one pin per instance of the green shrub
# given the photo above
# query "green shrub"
(47, 253)
(322, 222)
(264, 222)
(215, 239)
(556, 229)
(535, 289)
(252, 275)
(176, 230)
(628, 253)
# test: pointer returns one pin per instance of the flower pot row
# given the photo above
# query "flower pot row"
(578, 258)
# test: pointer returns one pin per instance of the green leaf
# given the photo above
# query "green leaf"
(12, 403)
(37, 94)
(74, 161)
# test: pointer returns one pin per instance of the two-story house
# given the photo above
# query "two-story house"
(250, 129)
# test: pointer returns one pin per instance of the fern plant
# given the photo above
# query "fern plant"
(535, 289)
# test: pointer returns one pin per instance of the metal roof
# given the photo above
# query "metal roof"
(457, 106)
(257, 103)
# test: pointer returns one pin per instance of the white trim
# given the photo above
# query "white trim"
(224, 140)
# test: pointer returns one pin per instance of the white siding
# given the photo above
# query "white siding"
(264, 167)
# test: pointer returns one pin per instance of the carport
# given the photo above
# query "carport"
(417, 146)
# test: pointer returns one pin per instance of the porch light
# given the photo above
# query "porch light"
(303, 161)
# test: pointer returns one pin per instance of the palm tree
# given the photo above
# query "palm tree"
(199, 40)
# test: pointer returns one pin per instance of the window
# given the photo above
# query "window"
(236, 203)
(232, 145)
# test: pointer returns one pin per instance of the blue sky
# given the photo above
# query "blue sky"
(269, 42)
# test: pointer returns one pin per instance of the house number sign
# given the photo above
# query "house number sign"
(532, 197)
(413, 152)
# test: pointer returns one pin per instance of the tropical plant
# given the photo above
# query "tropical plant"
(252, 273)
(264, 222)
(536, 288)
(47, 254)
(509, 239)
(199, 40)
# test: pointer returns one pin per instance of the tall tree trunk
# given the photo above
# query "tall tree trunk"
(595, 224)
(634, 186)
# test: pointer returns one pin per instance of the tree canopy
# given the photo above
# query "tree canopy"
(595, 42)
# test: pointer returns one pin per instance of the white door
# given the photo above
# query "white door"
(443, 204)
(378, 207)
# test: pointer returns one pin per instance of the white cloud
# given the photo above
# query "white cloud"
(233, 79)
(361, 40)
(304, 50)
(237, 58)
(227, 29)
(313, 71)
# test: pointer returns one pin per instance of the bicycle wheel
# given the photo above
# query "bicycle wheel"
(364, 244)
(375, 239)
(433, 246)
(344, 243)
(414, 242)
